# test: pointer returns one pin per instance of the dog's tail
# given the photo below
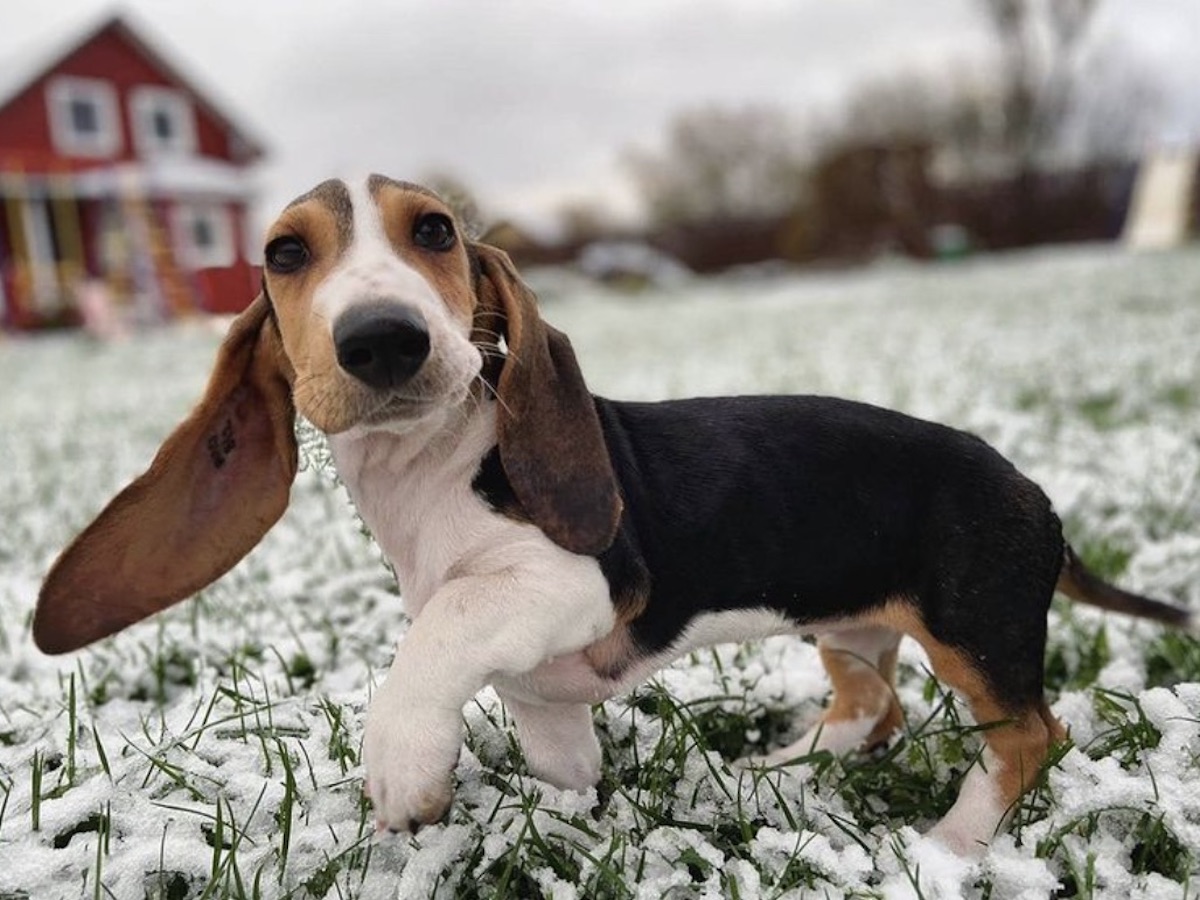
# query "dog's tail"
(1081, 584)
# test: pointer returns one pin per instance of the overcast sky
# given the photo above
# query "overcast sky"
(532, 103)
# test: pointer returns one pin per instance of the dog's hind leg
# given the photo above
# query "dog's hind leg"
(1016, 744)
(863, 712)
(558, 740)
(1019, 731)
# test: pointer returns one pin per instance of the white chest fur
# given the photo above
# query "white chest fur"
(413, 490)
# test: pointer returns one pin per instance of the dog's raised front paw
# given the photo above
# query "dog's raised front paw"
(410, 757)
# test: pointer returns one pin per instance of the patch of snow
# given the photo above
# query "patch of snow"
(1080, 366)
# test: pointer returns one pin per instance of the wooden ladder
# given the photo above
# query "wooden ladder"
(12, 189)
(152, 240)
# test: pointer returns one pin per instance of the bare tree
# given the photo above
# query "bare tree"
(958, 117)
(1062, 95)
(723, 163)
(1115, 105)
(1038, 42)
(583, 221)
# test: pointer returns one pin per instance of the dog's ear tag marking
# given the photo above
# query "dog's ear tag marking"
(221, 444)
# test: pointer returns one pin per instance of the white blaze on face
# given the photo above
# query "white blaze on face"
(371, 271)
(379, 268)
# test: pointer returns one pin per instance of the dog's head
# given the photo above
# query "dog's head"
(376, 314)
(374, 301)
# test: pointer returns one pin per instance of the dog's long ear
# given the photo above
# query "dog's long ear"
(551, 443)
(218, 483)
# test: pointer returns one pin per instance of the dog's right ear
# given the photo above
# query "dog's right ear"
(218, 483)
(551, 441)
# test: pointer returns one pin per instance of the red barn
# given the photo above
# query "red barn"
(118, 180)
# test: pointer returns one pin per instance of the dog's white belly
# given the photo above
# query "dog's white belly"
(574, 678)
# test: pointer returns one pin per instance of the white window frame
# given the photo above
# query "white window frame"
(252, 242)
(147, 101)
(66, 90)
(221, 254)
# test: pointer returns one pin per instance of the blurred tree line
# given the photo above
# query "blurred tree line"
(1042, 149)
(1040, 146)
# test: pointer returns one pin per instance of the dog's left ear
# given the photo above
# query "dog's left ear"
(551, 443)
(218, 483)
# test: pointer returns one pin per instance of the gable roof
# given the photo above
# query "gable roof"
(21, 70)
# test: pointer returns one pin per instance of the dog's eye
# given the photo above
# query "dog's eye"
(434, 231)
(285, 254)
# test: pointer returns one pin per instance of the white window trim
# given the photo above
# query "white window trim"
(222, 253)
(61, 93)
(252, 241)
(144, 102)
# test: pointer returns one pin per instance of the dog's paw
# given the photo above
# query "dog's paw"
(840, 738)
(792, 754)
(559, 743)
(410, 757)
(571, 768)
(405, 811)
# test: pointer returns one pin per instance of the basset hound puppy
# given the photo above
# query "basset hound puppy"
(561, 546)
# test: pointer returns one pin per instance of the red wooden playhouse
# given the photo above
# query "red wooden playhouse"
(119, 179)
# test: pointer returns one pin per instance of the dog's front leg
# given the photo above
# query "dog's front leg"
(472, 630)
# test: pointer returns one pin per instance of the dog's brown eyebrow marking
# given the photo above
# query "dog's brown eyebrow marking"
(376, 183)
(334, 196)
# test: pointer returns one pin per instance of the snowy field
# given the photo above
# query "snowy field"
(214, 751)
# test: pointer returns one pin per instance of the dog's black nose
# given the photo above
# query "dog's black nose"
(381, 346)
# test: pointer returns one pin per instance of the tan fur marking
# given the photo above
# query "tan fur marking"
(376, 183)
(862, 689)
(613, 653)
(630, 606)
(335, 198)
(305, 335)
(1020, 739)
(448, 273)
(893, 720)
(318, 228)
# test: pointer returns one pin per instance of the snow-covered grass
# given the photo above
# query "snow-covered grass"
(215, 751)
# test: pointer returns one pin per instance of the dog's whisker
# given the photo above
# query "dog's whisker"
(495, 394)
